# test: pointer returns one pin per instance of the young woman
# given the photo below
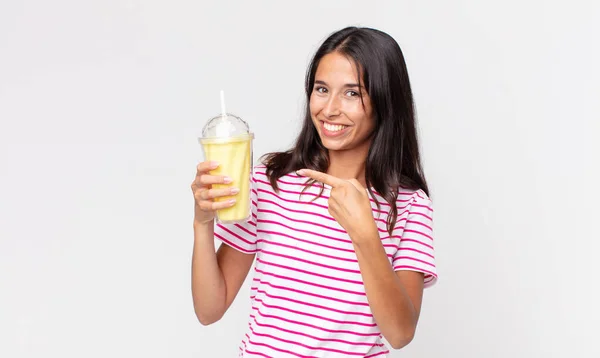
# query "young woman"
(341, 224)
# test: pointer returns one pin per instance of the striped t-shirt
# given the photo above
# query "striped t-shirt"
(307, 294)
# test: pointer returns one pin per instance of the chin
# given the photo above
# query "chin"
(333, 145)
(330, 144)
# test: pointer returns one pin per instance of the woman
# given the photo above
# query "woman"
(341, 226)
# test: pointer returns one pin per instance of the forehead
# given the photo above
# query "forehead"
(336, 67)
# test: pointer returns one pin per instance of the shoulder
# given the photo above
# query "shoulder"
(418, 205)
(414, 196)
(408, 197)
(259, 172)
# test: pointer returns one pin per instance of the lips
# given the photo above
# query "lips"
(333, 130)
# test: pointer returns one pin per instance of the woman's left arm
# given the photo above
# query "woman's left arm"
(394, 296)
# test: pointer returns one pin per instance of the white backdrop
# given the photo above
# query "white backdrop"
(101, 102)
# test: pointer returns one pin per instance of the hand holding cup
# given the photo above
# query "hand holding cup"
(205, 195)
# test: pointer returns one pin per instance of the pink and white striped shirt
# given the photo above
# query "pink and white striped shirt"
(307, 294)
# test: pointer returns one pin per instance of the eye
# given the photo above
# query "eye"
(353, 94)
(320, 89)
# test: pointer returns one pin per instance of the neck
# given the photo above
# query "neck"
(349, 164)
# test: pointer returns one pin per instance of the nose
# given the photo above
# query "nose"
(332, 107)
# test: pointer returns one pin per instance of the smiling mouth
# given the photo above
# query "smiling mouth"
(334, 127)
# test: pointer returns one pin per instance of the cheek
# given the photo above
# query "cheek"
(364, 120)
(368, 119)
(315, 103)
(312, 106)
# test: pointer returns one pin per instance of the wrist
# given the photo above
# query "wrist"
(203, 224)
(366, 234)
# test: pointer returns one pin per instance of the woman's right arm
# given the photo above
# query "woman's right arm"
(216, 277)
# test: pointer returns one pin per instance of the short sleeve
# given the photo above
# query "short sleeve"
(416, 249)
(242, 236)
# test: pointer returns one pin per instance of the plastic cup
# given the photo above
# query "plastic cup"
(228, 141)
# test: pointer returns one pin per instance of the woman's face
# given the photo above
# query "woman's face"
(338, 113)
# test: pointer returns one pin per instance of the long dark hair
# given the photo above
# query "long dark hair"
(393, 160)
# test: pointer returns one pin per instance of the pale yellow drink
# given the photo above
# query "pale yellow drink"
(234, 156)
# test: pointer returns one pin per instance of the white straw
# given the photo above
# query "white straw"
(223, 111)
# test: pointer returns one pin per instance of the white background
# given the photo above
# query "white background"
(101, 102)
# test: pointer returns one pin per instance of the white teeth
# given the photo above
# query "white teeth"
(333, 128)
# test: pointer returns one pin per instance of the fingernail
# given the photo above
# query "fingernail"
(227, 180)
(300, 172)
(235, 191)
(214, 164)
(232, 201)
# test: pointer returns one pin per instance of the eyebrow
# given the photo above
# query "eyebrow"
(347, 85)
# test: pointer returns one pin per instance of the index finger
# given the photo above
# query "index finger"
(206, 166)
(321, 177)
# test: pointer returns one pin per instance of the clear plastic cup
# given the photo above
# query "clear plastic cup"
(227, 140)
